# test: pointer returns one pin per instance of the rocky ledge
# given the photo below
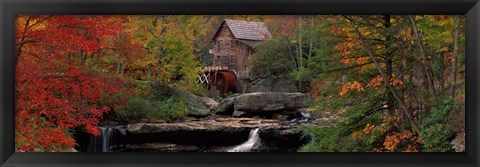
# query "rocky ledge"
(214, 132)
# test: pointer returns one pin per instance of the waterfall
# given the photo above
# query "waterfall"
(106, 137)
(306, 114)
(253, 140)
(111, 139)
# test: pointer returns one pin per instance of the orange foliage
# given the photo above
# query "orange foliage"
(351, 86)
(366, 131)
(375, 82)
(394, 141)
(394, 81)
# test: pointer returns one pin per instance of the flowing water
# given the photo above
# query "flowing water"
(252, 142)
(111, 139)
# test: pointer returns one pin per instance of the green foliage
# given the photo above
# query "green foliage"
(135, 109)
(271, 58)
(194, 88)
(336, 135)
(160, 92)
(434, 133)
(324, 140)
(168, 109)
(140, 108)
(154, 101)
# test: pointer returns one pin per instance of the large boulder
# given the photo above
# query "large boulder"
(195, 106)
(270, 101)
(259, 103)
(209, 102)
(226, 106)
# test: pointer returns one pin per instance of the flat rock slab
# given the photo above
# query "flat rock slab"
(219, 131)
(162, 147)
(218, 124)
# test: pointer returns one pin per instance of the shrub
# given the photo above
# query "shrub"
(168, 109)
(434, 133)
(271, 58)
(140, 108)
(136, 108)
(324, 139)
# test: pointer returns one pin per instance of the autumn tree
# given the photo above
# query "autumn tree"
(56, 88)
(392, 74)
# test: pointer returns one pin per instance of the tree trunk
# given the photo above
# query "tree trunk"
(149, 72)
(311, 39)
(455, 56)
(389, 62)
(426, 66)
(300, 35)
(300, 50)
(24, 35)
(441, 75)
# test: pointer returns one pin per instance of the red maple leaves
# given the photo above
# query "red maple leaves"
(56, 88)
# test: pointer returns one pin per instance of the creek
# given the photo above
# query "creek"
(250, 122)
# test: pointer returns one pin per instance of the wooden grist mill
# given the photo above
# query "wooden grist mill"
(233, 44)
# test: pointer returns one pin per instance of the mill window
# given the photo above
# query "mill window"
(217, 46)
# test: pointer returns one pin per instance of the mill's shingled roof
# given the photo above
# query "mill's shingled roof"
(248, 30)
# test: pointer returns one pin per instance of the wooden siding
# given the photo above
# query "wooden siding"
(228, 51)
(233, 47)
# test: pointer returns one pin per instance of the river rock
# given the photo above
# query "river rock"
(226, 106)
(458, 143)
(239, 114)
(209, 102)
(195, 106)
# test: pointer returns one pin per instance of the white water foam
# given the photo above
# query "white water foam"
(253, 139)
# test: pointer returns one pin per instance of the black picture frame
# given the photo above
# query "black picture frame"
(10, 8)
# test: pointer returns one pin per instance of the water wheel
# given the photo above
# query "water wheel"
(224, 81)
